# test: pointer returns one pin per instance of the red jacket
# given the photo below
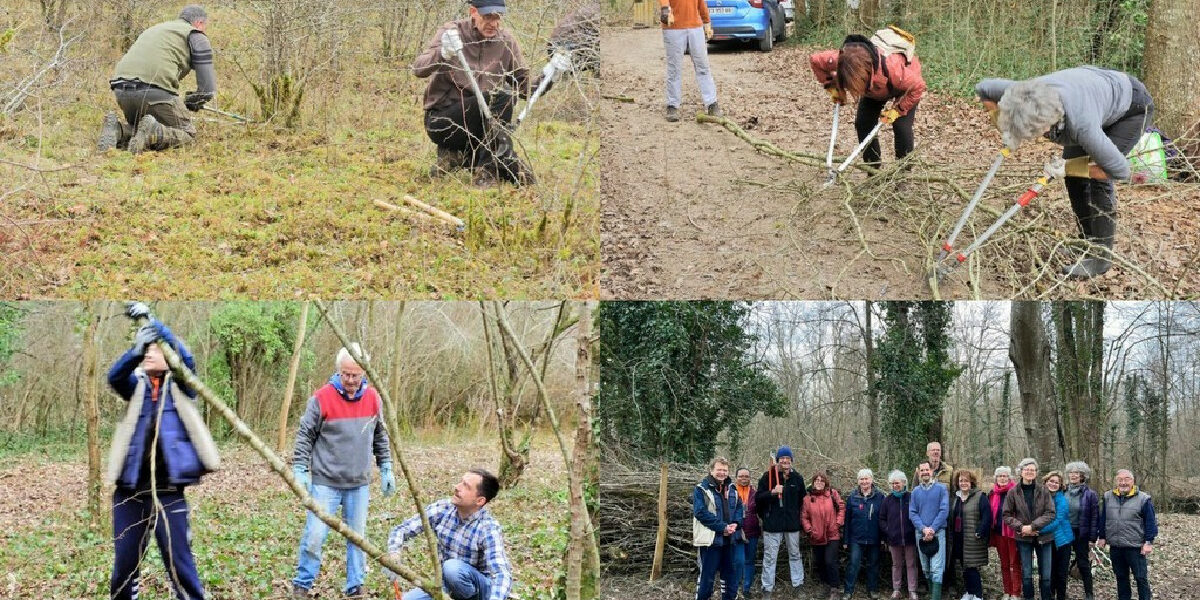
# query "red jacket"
(894, 77)
(823, 521)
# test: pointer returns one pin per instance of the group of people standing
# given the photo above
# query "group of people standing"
(945, 524)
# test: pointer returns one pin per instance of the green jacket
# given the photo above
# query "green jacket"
(161, 56)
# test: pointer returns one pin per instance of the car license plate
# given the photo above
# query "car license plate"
(721, 10)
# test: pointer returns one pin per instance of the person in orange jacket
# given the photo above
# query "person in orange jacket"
(822, 516)
(686, 27)
(875, 71)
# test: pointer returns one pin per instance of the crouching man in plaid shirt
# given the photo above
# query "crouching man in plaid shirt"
(470, 542)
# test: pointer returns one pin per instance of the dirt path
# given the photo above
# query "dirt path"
(691, 211)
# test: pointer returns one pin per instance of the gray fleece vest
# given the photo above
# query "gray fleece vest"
(1124, 526)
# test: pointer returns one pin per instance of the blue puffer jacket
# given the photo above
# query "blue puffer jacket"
(862, 517)
(178, 443)
(717, 520)
(1061, 525)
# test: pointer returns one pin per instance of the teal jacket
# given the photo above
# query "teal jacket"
(1061, 525)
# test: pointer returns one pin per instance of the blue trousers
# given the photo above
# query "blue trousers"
(353, 502)
(856, 555)
(1125, 560)
(1044, 559)
(712, 560)
(461, 582)
(134, 516)
(743, 562)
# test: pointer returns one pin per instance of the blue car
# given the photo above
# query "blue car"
(761, 21)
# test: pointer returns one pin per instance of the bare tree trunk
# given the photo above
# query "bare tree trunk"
(872, 391)
(512, 462)
(90, 395)
(1172, 65)
(660, 540)
(1029, 351)
(583, 556)
(293, 368)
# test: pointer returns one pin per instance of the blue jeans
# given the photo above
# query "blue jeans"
(1125, 560)
(461, 580)
(712, 560)
(856, 554)
(1044, 559)
(353, 502)
(743, 563)
(934, 566)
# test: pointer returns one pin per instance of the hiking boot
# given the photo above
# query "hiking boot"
(913, 596)
(846, 596)
(112, 133)
(872, 596)
(896, 595)
(149, 134)
(356, 592)
(673, 114)
(713, 110)
(447, 161)
(299, 592)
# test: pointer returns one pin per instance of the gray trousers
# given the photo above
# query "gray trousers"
(771, 543)
(676, 41)
(165, 107)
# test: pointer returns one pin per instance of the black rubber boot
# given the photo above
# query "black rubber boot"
(1097, 219)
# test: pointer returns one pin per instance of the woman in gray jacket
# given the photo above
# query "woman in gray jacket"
(1097, 115)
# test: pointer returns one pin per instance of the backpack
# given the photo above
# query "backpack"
(893, 40)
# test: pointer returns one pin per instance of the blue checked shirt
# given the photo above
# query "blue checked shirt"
(478, 541)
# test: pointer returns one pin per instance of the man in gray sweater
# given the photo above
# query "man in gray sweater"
(1097, 115)
(340, 432)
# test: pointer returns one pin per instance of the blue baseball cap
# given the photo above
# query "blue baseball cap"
(489, 7)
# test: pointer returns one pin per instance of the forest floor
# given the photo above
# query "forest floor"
(269, 212)
(691, 211)
(1174, 574)
(246, 524)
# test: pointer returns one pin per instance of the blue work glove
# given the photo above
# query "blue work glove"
(300, 472)
(146, 335)
(137, 310)
(387, 480)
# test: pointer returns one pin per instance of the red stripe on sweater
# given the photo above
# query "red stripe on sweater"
(334, 406)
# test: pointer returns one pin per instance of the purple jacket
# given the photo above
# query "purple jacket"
(1089, 515)
(750, 523)
(894, 526)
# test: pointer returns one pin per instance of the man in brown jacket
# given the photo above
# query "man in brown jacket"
(1028, 510)
(454, 120)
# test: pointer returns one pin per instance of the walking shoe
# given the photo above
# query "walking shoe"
(913, 596)
(896, 595)
(356, 592)
(299, 592)
(149, 134)
(872, 596)
(713, 110)
(110, 133)
(672, 114)
(846, 596)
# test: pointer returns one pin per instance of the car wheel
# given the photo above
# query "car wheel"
(782, 33)
(768, 40)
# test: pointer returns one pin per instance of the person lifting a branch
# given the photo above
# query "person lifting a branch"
(146, 84)
(470, 541)
(160, 447)
(340, 433)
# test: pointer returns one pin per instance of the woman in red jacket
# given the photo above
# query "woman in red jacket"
(822, 516)
(875, 71)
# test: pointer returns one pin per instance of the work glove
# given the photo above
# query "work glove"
(708, 32)
(665, 17)
(137, 310)
(387, 480)
(452, 44)
(835, 95)
(300, 472)
(146, 335)
(1055, 169)
(1078, 167)
(194, 101)
(889, 116)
